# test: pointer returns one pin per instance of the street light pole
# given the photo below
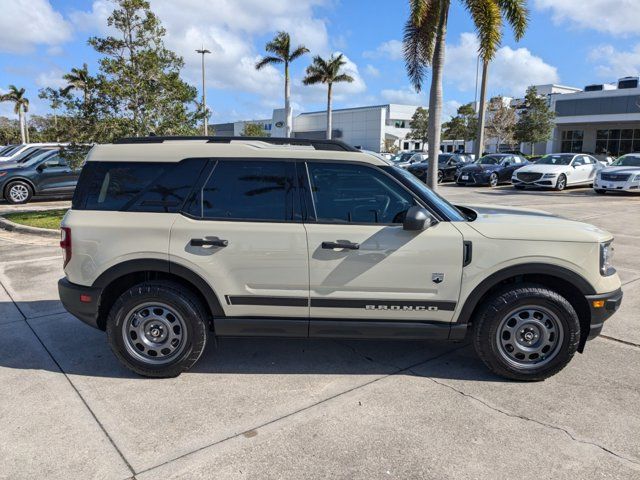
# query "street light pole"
(203, 52)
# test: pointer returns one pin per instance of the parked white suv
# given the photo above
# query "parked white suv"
(172, 241)
(558, 171)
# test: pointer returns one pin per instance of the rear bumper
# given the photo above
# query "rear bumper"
(87, 308)
(612, 302)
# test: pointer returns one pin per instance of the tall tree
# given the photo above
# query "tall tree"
(253, 130)
(502, 122)
(424, 45)
(78, 79)
(20, 106)
(536, 121)
(327, 72)
(139, 76)
(280, 47)
(420, 126)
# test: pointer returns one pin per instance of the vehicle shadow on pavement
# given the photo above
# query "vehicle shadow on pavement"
(81, 350)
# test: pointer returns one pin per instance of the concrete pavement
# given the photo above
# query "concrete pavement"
(270, 408)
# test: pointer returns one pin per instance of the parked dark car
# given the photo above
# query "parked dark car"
(52, 172)
(448, 166)
(491, 169)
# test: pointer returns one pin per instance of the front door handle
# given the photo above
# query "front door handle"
(341, 244)
(209, 242)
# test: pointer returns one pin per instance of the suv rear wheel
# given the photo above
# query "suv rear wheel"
(18, 192)
(157, 329)
(526, 333)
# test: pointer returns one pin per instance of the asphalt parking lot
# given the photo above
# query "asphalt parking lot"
(294, 409)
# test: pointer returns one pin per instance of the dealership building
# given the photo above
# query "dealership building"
(371, 128)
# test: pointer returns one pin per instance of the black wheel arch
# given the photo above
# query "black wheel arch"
(566, 282)
(119, 278)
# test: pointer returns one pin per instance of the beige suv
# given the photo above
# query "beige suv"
(172, 240)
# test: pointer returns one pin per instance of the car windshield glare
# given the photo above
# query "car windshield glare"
(555, 160)
(627, 161)
(487, 161)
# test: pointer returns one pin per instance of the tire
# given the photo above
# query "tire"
(440, 176)
(178, 321)
(518, 187)
(18, 192)
(561, 184)
(548, 332)
(493, 180)
(600, 192)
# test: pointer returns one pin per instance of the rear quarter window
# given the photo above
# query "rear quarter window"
(136, 186)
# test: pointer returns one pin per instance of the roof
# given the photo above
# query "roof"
(174, 149)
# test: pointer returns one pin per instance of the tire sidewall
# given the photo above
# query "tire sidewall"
(494, 313)
(563, 185)
(493, 183)
(196, 331)
(7, 195)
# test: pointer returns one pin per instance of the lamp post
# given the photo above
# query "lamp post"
(203, 51)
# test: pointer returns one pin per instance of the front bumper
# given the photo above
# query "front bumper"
(542, 182)
(80, 301)
(610, 303)
(472, 179)
(628, 185)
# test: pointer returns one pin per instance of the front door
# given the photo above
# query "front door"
(242, 235)
(55, 176)
(363, 265)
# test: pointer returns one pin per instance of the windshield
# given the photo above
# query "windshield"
(442, 158)
(10, 150)
(36, 158)
(555, 160)
(5, 150)
(402, 157)
(488, 160)
(425, 192)
(28, 155)
(627, 161)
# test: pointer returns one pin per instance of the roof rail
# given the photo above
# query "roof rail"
(334, 145)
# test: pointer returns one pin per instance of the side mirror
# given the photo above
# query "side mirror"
(417, 219)
(42, 167)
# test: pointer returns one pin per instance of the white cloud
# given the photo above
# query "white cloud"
(52, 78)
(391, 49)
(403, 96)
(616, 17)
(510, 73)
(230, 29)
(450, 109)
(372, 71)
(27, 23)
(614, 64)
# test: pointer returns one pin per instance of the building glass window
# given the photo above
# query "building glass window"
(572, 141)
(617, 142)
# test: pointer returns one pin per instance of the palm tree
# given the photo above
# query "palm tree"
(280, 47)
(424, 45)
(327, 71)
(20, 106)
(78, 79)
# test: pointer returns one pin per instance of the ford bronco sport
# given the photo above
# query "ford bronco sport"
(170, 241)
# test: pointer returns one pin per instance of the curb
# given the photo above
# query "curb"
(10, 226)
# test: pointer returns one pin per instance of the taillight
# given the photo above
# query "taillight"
(65, 244)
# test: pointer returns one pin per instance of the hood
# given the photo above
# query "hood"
(621, 170)
(8, 165)
(507, 223)
(535, 168)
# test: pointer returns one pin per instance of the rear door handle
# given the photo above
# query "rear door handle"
(341, 244)
(209, 242)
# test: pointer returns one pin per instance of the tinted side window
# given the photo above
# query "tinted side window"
(250, 190)
(136, 186)
(357, 193)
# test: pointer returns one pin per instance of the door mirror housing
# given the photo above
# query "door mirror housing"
(417, 219)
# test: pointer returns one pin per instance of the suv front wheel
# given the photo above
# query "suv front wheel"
(526, 333)
(157, 329)
(18, 192)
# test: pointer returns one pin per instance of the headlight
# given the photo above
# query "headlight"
(635, 179)
(550, 175)
(606, 259)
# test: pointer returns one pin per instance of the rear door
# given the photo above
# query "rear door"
(242, 233)
(363, 265)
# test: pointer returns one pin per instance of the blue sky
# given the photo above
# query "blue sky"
(572, 42)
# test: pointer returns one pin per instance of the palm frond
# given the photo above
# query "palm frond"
(517, 14)
(419, 39)
(313, 78)
(298, 52)
(260, 64)
(343, 77)
(487, 18)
